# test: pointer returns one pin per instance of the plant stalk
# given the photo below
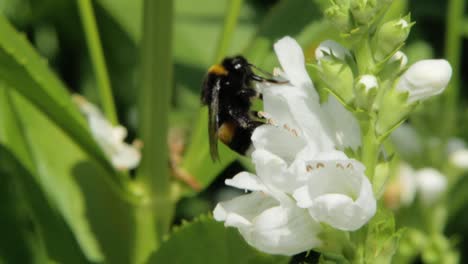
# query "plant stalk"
(97, 58)
(453, 39)
(153, 179)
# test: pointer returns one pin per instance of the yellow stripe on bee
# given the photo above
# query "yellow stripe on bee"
(226, 132)
(218, 69)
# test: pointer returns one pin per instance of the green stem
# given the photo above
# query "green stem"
(464, 27)
(153, 178)
(97, 57)
(370, 148)
(452, 52)
(363, 54)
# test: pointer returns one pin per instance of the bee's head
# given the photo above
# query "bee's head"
(237, 65)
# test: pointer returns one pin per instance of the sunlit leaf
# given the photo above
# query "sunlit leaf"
(209, 242)
(67, 181)
(22, 69)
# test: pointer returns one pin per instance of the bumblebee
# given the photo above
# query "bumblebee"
(227, 91)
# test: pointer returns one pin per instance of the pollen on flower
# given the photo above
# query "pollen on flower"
(339, 165)
(309, 168)
(292, 130)
(320, 165)
(350, 166)
(267, 117)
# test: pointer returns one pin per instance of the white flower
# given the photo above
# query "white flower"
(459, 158)
(424, 79)
(408, 185)
(431, 185)
(268, 218)
(307, 133)
(298, 118)
(329, 49)
(427, 183)
(337, 192)
(110, 138)
(299, 163)
(457, 153)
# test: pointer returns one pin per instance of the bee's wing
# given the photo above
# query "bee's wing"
(213, 122)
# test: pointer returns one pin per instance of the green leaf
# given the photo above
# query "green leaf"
(16, 160)
(206, 241)
(71, 186)
(22, 69)
(21, 241)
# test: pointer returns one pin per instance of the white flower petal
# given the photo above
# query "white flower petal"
(126, 157)
(431, 185)
(302, 197)
(274, 172)
(246, 181)
(241, 211)
(284, 230)
(424, 79)
(278, 141)
(268, 226)
(345, 127)
(339, 194)
(111, 139)
(292, 61)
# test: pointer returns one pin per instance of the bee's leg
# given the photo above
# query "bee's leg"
(242, 118)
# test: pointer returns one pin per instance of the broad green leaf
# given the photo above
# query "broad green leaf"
(75, 186)
(206, 241)
(22, 69)
(17, 161)
(21, 241)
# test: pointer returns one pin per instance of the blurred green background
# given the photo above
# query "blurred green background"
(55, 30)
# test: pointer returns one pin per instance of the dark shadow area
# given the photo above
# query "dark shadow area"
(110, 217)
(59, 240)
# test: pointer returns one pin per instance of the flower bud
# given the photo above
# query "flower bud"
(390, 36)
(363, 11)
(331, 50)
(365, 91)
(337, 77)
(400, 58)
(338, 15)
(431, 184)
(424, 79)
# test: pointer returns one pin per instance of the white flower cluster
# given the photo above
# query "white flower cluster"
(428, 183)
(110, 138)
(303, 178)
(423, 79)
